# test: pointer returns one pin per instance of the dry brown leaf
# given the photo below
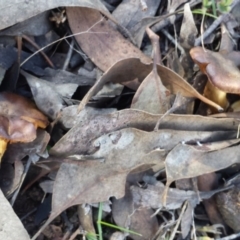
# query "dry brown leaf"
(122, 151)
(111, 46)
(132, 68)
(152, 96)
(77, 140)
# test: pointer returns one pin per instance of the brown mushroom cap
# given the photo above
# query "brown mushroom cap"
(221, 71)
(19, 119)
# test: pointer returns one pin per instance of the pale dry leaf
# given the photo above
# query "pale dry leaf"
(152, 96)
(70, 116)
(186, 161)
(11, 226)
(59, 76)
(187, 220)
(188, 30)
(12, 12)
(86, 130)
(46, 98)
(47, 186)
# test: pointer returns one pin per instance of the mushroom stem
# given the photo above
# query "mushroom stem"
(216, 95)
(3, 147)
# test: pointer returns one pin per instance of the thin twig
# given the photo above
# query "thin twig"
(173, 41)
(210, 29)
(233, 236)
(72, 35)
(178, 221)
(38, 48)
(21, 181)
(69, 55)
(214, 25)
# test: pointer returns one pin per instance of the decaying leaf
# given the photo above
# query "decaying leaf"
(118, 151)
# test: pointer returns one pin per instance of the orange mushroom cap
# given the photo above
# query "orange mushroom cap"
(19, 119)
(221, 71)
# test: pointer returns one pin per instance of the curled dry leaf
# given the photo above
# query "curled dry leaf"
(132, 68)
(152, 96)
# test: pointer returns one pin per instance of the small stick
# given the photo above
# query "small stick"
(178, 221)
(69, 55)
(40, 50)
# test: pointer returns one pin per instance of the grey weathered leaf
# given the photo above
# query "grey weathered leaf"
(11, 226)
